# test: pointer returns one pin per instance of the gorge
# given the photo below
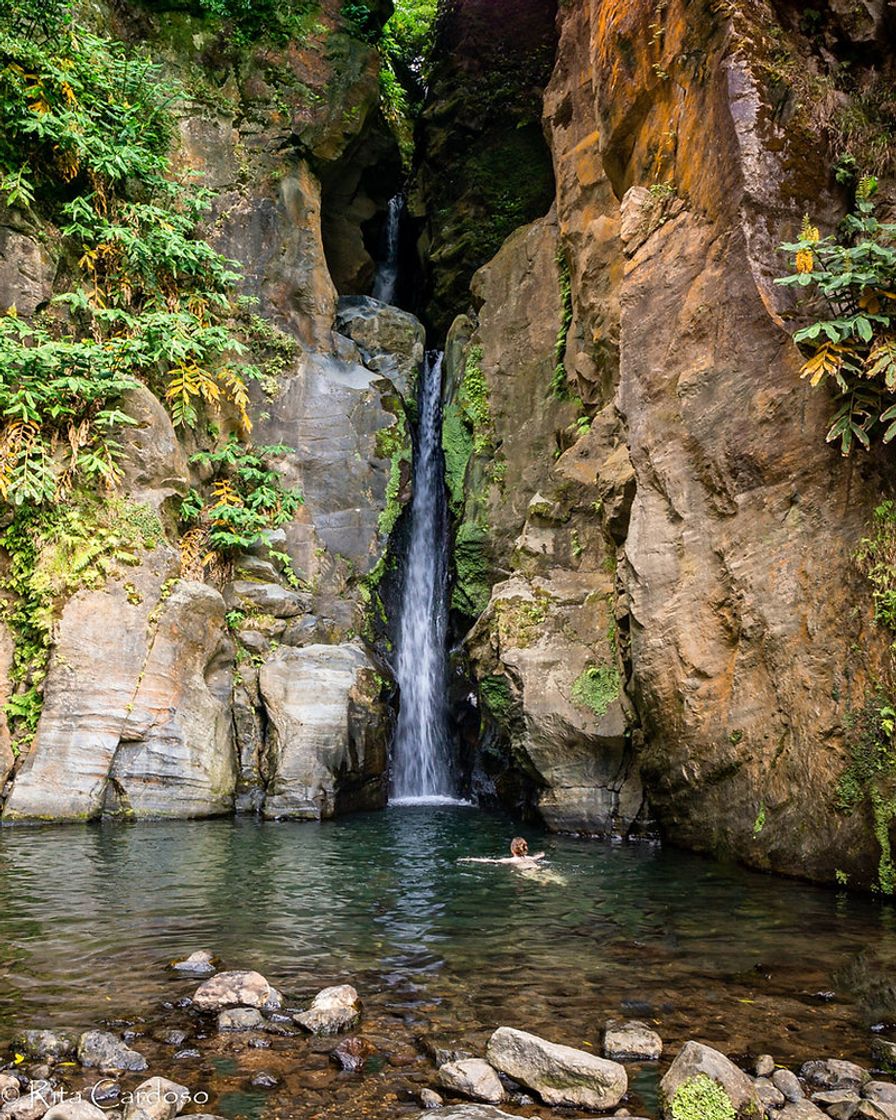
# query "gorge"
(424, 422)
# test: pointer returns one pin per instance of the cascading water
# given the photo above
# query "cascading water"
(386, 279)
(420, 764)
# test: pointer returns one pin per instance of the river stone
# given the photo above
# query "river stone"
(240, 1019)
(75, 1110)
(466, 1112)
(883, 1054)
(800, 1110)
(695, 1059)
(9, 1087)
(199, 963)
(884, 1092)
(156, 1099)
(474, 1078)
(631, 1041)
(31, 1105)
(235, 989)
(875, 1110)
(769, 1094)
(764, 1066)
(327, 732)
(105, 1051)
(835, 1098)
(43, 1044)
(430, 1099)
(332, 1010)
(789, 1084)
(832, 1073)
(560, 1075)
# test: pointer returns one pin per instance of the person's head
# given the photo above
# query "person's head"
(519, 847)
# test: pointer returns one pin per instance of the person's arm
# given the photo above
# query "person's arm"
(483, 859)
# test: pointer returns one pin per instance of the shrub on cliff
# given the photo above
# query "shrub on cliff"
(852, 279)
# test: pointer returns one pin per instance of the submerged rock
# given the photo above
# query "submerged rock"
(332, 1010)
(472, 1077)
(200, 963)
(105, 1051)
(631, 1041)
(43, 1044)
(694, 1060)
(560, 1075)
(352, 1053)
(236, 989)
(240, 1019)
(832, 1073)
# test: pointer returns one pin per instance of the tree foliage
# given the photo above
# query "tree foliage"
(852, 345)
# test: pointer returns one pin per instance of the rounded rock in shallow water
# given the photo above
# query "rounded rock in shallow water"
(474, 1078)
(43, 1044)
(352, 1053)
(184, 1055)
(883, 1092)
(429, 1098)
(258, 1044)
(631, 1041)
(332, 1010)
(832, 1073)
(770, 1095)
(200, 963)
(264, 1080)
(173, 1037)
(236, 989)
(764, 1066)
(75, 1110)
(788, 1083)
(157, 1098)
(105, 1051)
(240, 1019)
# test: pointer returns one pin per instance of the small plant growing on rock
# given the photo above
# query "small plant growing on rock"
(701, 1098)
(854, 346)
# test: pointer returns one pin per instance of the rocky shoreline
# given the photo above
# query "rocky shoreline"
(56, 1075)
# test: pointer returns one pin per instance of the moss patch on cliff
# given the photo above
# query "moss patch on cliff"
(519, 620)
(393, 443)
(473, 580)
(597, 687)
(495, 694)
(457, 446)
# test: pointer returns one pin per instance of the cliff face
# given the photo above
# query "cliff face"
(687, 140)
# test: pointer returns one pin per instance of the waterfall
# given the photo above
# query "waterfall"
(420, 765)
(386, 278)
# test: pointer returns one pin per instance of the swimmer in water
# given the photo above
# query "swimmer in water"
(519, 856)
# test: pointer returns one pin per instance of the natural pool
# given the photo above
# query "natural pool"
(440, 951)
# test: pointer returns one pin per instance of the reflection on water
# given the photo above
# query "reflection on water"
(89, 916)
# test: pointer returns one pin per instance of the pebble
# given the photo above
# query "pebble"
(765, 1065)
(265, 1081)
(429, 1098)
(183, 1055)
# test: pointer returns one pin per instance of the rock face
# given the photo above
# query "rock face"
(560, 1075)
(696, 460)
(328, 735)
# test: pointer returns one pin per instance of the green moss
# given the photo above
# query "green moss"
(473, 399)
(597, 687)
(393, 443)
(701, 1098)
(519, 620)
(559, 382)
(473, 581)
(457, 445)
(870, 778)
(495, 694)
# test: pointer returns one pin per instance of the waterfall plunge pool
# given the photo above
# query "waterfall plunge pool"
(439, 950)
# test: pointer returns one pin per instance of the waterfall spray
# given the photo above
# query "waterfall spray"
(386, 279)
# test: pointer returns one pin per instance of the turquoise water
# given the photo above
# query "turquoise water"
(90, 915)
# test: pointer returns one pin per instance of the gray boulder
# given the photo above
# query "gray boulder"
(832, 1073)
(765, 1065)
(801, 1110)
(240, 1019)
(266, 598)
(472, 1077)
(695, 1059)
(105, 1051)
(332, 1010)
(156, 1099)
(392, 342)
(770, 1096)
(789, 1084)
(874, 1110)
(236, 989)
(43, 1044)
(631, 1041)
(883, 1092)
(560, 1075)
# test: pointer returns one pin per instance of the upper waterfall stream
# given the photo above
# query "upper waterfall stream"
(420, 757)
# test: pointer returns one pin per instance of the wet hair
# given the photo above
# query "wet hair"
(518, 846)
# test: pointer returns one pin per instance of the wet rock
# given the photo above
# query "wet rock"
(874, 1110)
(800, 1110)
(156, 1099)
(789, 1084)
(186, 1055)
(695, 1059)
(260, 1043)
(43, 1044)
(105, 1051)
(75, 1110)
(328, 732)
(429, 1098)
(764, 1065)
(267, 598)
(473, 1078)
(631, 1041)
(832, 1073)
(235, 989)
(31, 1105)
(264, 1080)
(391, 341)
(200, 963)
(332, 1010)
(240, 1019)
(770, 1096)
(884, 1092)
(560, 1075)
(173, 1037)
(352, 1053)
(883, 1054)
(467, 1112)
